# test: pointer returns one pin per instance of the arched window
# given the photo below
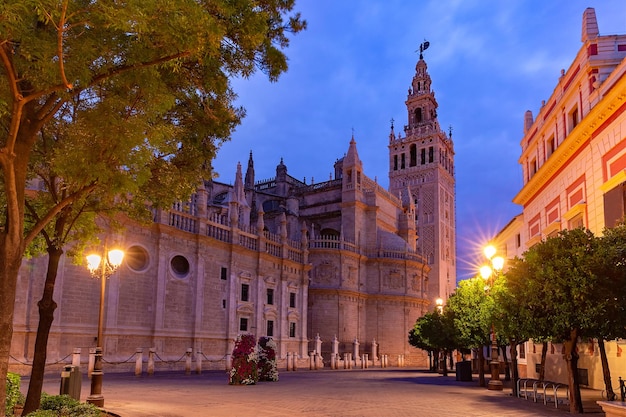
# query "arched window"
(413, 155)
(417, 113)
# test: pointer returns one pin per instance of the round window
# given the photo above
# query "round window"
(136, 258)
(180, 266)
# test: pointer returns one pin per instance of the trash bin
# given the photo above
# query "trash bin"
(464, 371)
(71, 381)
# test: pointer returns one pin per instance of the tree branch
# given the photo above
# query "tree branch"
(42, 222)
(60, 32)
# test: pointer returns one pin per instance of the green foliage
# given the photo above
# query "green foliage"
(66, 406)
(106, 106)
(433, 331)
(562, 284)
(14, 395)
(472, 310)
(611, 294)
(511, 315)
(43, 413)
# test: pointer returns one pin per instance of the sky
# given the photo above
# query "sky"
(349, 73)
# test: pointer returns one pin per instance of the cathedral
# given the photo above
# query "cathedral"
(323, 267)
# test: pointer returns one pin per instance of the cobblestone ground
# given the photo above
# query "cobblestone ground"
(389, 392)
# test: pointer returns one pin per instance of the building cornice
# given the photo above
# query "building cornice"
(575, 141)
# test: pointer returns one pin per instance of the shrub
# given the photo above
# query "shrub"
(64, 405)
(43, 413)
(14, 395)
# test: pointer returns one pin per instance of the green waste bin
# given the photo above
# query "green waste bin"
(464, 371)
(71, 381)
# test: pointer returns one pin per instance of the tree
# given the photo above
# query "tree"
(150, 77)
(561, 284)
(511, 316)
(435, 332)
(611, 295)
(471, 310)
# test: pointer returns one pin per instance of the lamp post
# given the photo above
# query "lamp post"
(489, 273)
(101, 267)
(439, 305)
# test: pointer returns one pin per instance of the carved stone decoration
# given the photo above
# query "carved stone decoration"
(415, 282)
(393, 280)
(351, 275)
(325, 273)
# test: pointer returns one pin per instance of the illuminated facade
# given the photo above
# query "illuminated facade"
(423, 162)
(574, 171)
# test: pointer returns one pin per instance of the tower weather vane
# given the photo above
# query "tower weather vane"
(423, 46)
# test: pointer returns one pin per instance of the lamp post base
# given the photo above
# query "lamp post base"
(95, 396)
(495, 385)
(97, 400)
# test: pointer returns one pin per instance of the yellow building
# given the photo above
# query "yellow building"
(573, 163)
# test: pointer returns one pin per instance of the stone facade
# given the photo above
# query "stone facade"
(573, 159)
(423, 162)
(314, 266)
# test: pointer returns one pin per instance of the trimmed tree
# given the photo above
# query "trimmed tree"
(611, 295)
(562, 285)
(435, 332)
(511, 316)
(471, 309)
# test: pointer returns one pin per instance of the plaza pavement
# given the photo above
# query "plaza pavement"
(388, 392)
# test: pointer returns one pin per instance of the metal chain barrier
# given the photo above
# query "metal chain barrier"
(119, 362)
(47, 364)
(169, 362)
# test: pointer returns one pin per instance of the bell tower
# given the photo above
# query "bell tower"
(423, 161)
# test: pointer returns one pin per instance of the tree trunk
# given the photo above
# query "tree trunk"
(481, 368)
(10, 260)
(507, 370)
(606, 372)
(542, 367)
(445, 363)
(514, 366)
(46, 316)
(571, 359)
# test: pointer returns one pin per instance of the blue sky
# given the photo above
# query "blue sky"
(489, 60)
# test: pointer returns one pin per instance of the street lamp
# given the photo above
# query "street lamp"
(439, 305)
(489, 273)
(101, 267)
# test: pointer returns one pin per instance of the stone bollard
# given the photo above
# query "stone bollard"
(349, 360)
(374, 351)
(229, 362)
(294, 355)
(151, 353)
(198, 363)
(188, 362)
(76, 357)
(345, 361)
(312, 360)
(139, 362)
(366, 360)
(333, 362)
(288, 361)
(92, 360)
